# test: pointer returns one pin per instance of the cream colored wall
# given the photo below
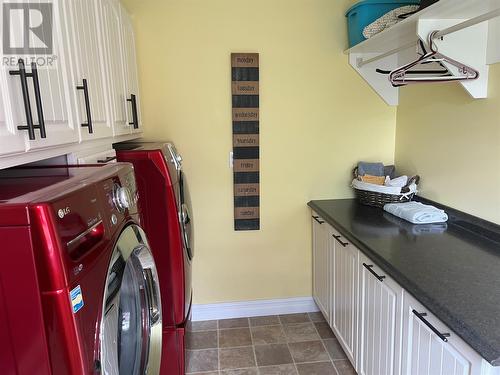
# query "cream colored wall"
(453, 142)
(318, 118)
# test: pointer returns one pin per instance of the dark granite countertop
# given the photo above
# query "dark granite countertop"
(452, 269)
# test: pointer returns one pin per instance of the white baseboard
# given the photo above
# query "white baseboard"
(253, 308)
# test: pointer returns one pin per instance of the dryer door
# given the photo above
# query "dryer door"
(186, 220)
(130, 336)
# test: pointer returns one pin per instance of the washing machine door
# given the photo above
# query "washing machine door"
(131, 330)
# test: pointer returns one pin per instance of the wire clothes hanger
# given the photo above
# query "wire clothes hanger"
(403, 75)
(443, 72)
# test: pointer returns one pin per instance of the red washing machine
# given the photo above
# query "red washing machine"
(166, 218)
(79, 290)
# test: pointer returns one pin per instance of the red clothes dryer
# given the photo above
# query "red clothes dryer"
(79, 291)
(166, 218)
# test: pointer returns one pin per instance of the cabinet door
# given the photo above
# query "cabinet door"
(425, 350)
(321, 261)
(132, 79)
(11, 141)
(53, 81)
(85, 44)
(380, 321)
(345, 296)
(111, 30)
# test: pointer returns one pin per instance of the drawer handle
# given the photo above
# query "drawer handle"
(338, 238)
(85, 89)
(318, 220)
(107, 160)
(442, 336)
(369, 267)
(23, 75)
(135, 117)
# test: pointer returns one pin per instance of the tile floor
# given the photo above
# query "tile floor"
(296, 344)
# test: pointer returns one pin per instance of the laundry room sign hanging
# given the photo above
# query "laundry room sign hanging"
(245, 95)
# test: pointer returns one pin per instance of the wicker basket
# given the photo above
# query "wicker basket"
(371, 198)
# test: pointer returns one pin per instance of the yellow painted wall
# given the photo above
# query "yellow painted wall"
(453, 142)
(318, 118)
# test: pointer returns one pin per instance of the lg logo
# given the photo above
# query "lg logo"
(63, 212)
(27, 28)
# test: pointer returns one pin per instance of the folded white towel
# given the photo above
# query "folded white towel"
(396, 182)
(417, 213)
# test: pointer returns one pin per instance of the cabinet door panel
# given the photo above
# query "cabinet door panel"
(345, 298)
(321, 277)
(115, 65)
(11, 140)
(53, 82)
(425, 353)
(87, 61)
(131, 67)
(380, 321)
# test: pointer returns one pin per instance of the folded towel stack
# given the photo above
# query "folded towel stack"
(378, 178)
(417, 213)
(396, 182)
(394, 190)
(373, 169)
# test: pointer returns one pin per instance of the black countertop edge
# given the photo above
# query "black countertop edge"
(441, 312)
(474, 224)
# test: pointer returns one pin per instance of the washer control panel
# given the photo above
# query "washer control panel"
(121, 196)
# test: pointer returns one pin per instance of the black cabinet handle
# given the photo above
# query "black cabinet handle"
(135, 119)
(369, 267)
(38, 100)
(26, 99)
(107, 160)
(442, 336)
(338, 238)
(318, 220)
(85, 89)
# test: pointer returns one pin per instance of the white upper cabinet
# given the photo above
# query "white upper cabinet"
(115, 65)
(37, 93)
(10, 139)
(88, 73)
(381, 300)
(321, 265)
(68, 74)
(132, 80)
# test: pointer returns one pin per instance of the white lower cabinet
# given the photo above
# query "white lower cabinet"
(381, 327)
(430, 348)
(380, 321)
(344, 314)
(321, 270)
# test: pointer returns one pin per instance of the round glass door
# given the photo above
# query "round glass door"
(130, 338)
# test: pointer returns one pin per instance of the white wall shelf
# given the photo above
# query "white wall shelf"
(476, 45)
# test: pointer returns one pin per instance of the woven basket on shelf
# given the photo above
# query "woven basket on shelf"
(371, 198)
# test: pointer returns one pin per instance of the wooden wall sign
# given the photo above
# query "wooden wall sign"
(245, 93)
